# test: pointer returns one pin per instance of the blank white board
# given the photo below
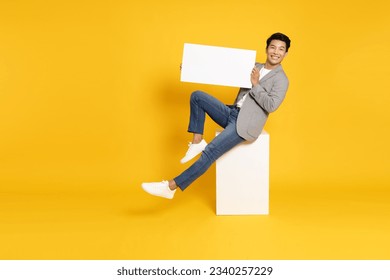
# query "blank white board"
(217, 65)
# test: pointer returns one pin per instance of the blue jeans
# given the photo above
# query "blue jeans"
(226, 117)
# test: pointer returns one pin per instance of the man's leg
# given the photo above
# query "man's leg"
(201, 104)
(226, 140)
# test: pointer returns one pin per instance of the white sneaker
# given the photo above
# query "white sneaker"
(194, 150)
(159, 189)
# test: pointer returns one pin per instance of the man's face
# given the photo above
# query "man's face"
(276, 51)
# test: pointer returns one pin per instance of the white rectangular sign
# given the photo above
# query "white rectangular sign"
(217, 65)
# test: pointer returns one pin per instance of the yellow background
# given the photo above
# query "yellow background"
(91, 105)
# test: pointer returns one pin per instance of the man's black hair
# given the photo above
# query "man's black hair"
(280, 37)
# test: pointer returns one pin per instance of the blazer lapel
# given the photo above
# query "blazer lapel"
(271, 74)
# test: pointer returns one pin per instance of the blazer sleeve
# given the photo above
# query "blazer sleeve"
(270, 99)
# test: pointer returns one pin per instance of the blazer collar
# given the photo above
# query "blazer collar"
(270, 74)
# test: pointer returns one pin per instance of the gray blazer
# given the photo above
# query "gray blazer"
(262, 99)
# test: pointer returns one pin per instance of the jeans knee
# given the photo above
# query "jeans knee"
(195, 95)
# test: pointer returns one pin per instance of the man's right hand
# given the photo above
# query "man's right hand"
(255, 76)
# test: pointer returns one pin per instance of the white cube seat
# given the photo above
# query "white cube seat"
(242, 176)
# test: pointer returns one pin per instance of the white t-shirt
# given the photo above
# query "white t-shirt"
(263, 72)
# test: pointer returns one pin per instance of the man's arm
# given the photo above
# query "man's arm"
(270, 101)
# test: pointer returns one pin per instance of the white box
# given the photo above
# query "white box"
(243, 179)
(217, 65)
